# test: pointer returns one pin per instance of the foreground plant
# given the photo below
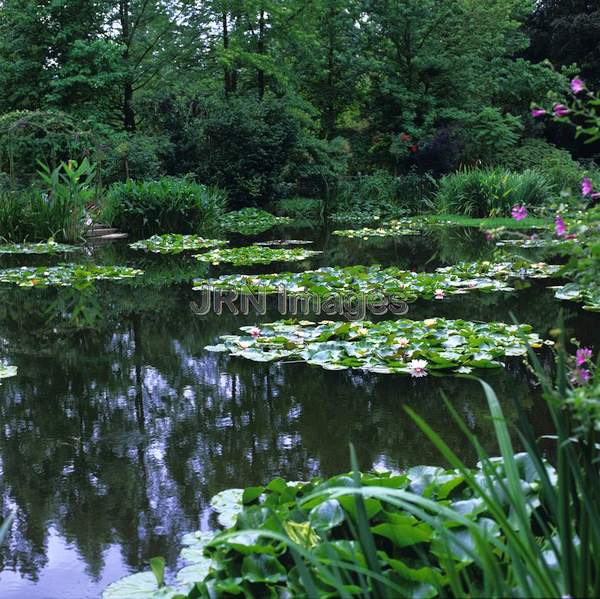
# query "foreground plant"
(373, 281)
(175, 243)
(252, 221)
(254, 254)
(414, 347)
(65, 275)
(43, 247)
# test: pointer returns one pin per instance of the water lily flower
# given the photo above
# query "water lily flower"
(519, 212)
(430, 322)
(439, 294)
(244, 344)
(582, 355)
(255, 332)
(402, 342)
(560, 110)
(577, 85)
(560, 226)
(586, 187)
(536, 113)
(417, 368)
(464, 370)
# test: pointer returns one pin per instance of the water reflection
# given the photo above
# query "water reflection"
(120, 427)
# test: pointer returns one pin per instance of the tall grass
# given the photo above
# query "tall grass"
(490, 192)
(168, 205)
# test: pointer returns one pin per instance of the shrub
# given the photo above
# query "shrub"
(300, 208)
(168, 205)
(382, 194)
(58, 209)
(490, 191)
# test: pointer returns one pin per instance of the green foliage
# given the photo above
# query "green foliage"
(488, 133)
(56, 209)
(556, 165)
(392, 346)
(7, 371)
(251, 221)
(66, 275)
(301, 209)
(490, 192)
(255, 254)
(169, 204)
(175, 243)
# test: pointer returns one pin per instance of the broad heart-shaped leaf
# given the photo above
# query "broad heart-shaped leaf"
(262, 568)
(197, 572)
(326, 515)
(403, 535)
(228, 504)
(139, 586)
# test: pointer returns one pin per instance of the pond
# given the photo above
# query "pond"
(120, 426)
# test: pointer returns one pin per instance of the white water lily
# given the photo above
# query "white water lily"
(417, 368)
(402, 342)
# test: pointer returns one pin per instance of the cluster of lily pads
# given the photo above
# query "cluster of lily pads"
(284, 242)
(354, 280)
(175, 243)
(65, 275)
(269, 530)
(255, 254)
(512, 269)
(393, 346)
(393, 228)
(589, 295)
(252, 221)
(534, 242)
(43, 247)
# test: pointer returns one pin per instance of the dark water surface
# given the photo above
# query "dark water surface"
(120, 427)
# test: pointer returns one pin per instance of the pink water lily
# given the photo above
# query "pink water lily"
(536, 113)
(255, 332)
(418, 368)
(439, 294)
(582, 355)
(577, 85)
(560, 226)
(519, 212)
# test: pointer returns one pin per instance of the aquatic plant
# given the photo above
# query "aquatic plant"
(393, 228)
(372, 281)
(251, 221)
(43, 247)
(175, 243)
(284, 242)
(65, 275)
(254, 254)
(391, 346)
(589, 295)
(514, 269)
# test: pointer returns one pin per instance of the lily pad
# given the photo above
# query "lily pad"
(175, 243)
(255, 255)
(43, 247)
(66, 275)
(252, 221)
(7, 371)
(515, 269)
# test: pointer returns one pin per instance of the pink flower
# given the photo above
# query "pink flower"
(488, 236)
(560, 110)
(418, 368)
(561, 228)
(586, 187)
(255, 332)
(577, 85)
(581, 376)
(582, 355)
(439, 294)
(571, 236)
(537, 113)
(519, 212)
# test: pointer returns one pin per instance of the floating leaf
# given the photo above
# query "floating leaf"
(255, 255)
(175, 243)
